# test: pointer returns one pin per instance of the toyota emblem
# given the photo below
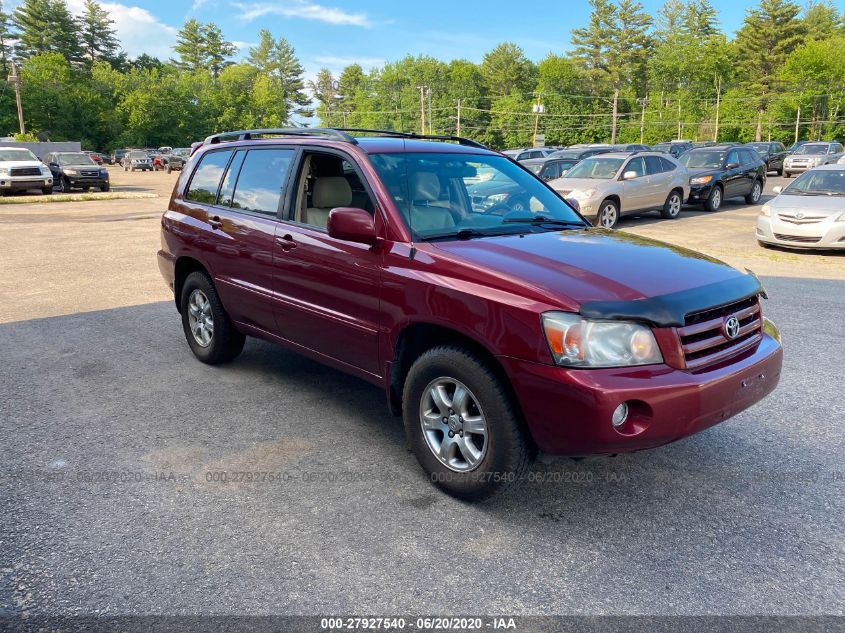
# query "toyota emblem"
(799, 215)
(731, 327)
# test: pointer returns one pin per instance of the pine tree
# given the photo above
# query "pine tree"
(670, 18)
(65, 31)
(507, 70)
(5, 49)
(821, 20)
(261, 56)
(97, 33)
(190, 46)
(324, 88)
(32, 20)
(700, 18)
(291, 79)
(216, 49)
(769, 33)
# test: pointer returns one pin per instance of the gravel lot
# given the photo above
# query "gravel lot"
(115, 437)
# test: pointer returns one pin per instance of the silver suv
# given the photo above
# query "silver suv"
(811, 155)
(606, 186)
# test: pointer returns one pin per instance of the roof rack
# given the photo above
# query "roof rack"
(245, 135)
(412, 135)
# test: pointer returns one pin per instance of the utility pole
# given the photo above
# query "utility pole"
(422, 108)
(538, 110)
(430, 128)
(718, 103)
(458, 132)
(679, 112)
(15, 80)
(797, 122)
(643, 101)
(615, 116)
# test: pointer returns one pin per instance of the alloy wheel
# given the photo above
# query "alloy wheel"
(717, 198)
(453, 424)
(607, 217)
(200, 318)
(756, 192)
(674, 205)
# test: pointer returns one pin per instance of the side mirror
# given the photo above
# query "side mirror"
(777, 189)
(352, 225)
(731, 165)
(628, 175)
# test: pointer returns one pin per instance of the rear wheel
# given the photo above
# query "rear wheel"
(462, 424)
(756, 191)
(210, 333)
(672, 207)
(714, 200)
(608, 216)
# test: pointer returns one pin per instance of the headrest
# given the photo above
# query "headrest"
(331, 191)
(425, 185)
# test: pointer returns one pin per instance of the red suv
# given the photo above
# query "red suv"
(494, 332)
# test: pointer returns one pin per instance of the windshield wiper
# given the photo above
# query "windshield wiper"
(462, 234)
(542, 219)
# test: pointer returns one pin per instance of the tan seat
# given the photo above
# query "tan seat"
(329, 193)
(426, 215)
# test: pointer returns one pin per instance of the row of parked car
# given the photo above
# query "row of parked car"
(21, 170)
(162, 159)
(607, 182)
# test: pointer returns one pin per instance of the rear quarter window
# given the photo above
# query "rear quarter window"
(206, 179)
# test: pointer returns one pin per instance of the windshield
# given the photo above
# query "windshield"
(16, 154)
(662, 147)
(812, 148)
(439, 196)
(181, 151)
(696, 159)
(138, 155)
(823, 182)
(535, 167)
(75, 159)
(567, 154)
(598, 168)
(762, 148)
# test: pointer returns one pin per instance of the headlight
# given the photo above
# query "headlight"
(766, 210)
(498, 197)
(577, 342)
(582, 193)
(4, 171)
(70, 172)
(45, 171)
(700, 180)
(104, 172)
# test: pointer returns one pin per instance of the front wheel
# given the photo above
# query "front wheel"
(714, 200)
(787, 174)
(672, 207)
(754, 195)
(608, 216)
(211, 335)
(47, 191)
(65, 186)
(105, 187)
(463, 425)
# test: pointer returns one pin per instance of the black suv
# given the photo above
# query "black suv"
(76, 170)
(724, 171)
(675, 148)
(772, 154)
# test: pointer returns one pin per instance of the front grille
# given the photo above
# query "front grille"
(703, 338)
(803, 239)
(26, 171)
(90, 174)
(804, 219)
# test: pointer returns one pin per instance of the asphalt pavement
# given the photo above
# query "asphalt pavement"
(115, 441)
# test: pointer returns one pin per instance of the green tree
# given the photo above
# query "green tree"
(277, 59)
(5, 48)
(190, 46)
(46, 26)
(324, 89)
(97, 33)
(769, 33)
(821, 20)
(217, 50)
(507, 70)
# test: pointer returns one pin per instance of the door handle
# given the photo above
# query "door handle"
(286, 242)
(215, 222)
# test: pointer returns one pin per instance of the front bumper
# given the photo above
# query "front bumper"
(791, 168)
(700, 193)
(828, 234)
(568, 411)
(83, 181)
(22, 183)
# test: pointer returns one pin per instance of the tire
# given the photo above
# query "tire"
(672, 207)
(482, 464)
(608, 214)
(132, 169)
(223, 342)
(780, 172)
(714, 200)
(168, 169)
(47, 191)
(756, 192)
(65, 185)
(787, 174)
(105, 187)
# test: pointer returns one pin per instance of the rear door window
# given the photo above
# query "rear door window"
(654, 165)
(206, 179)
(262, 179)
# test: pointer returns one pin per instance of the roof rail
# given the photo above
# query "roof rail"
(245, 135)
(412, 135)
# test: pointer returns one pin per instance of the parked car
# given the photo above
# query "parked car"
(807, 213)
(20, 170)
(534, 152)
(631, 147)
(811, 155)
(549, 168)
(97, 158)
(698, 144)
(166, 149)
(137, 159)
(118, 155)
(493, 336)
(174, 160)
(614, 184)
(76, 170)
(794, 147)
(675, 148)
(772, 153)
(580, 153)
(724, 171)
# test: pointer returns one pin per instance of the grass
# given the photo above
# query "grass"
(75, 197)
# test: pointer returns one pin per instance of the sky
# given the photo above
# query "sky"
(336, 33)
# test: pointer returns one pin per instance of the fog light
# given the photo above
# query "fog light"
(620, 414)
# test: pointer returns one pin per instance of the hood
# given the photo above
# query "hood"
(491, 187)
(581, 184)
(569, 268)
(790, 204)
(22, 163)
(704, 171)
